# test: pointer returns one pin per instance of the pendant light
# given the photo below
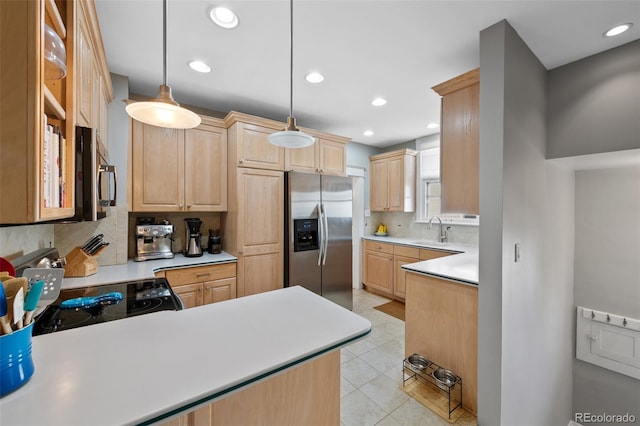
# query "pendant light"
(291, 136)
(163, 111)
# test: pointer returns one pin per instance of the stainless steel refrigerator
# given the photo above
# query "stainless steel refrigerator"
(318, 249)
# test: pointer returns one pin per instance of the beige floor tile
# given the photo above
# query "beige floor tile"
(385, 393)
(356, 409)
(346, 355)
(412, 413)
(345, 387)
(382, 359)
(360, 347)
(388, 421)
(358, 372)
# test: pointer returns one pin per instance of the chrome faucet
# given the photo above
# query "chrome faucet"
(443, 236)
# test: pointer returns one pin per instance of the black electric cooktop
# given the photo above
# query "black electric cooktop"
(79, 307)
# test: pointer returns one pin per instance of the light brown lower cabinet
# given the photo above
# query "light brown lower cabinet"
(441, 323)
(202, 285)
(382, 265)
(308, 394)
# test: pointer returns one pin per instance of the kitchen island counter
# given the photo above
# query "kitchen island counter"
(154, 367)
(132, 271)
(460, 267)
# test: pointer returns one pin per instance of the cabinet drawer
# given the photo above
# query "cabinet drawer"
(200, 274)
(407, 251)
(426, 254)
(379, 247)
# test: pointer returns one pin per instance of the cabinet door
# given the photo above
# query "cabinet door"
(395, 182)
(190, 294)
(332, 157)
(157, 168)
(219, 290)
(459, 150)
(400, 286)
(254, 149)
(378, 186)
(205, 154)
(302, 159)
(260, 230)
(378, 271)
(85, 74)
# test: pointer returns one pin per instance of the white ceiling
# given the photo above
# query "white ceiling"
(365, 49)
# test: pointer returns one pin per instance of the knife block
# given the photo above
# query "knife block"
(80, 264)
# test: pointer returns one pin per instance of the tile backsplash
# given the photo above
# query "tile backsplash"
(402, 225)
(16, 241)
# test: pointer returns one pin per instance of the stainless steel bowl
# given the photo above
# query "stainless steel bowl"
(418, 363)
(444, 378)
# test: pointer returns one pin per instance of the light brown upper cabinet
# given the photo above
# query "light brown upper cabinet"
(392, 181)
(325, 156)
(31, 99)
(179, 170)
(459, 143)
(248, 143)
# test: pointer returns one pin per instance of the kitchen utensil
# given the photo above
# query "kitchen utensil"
(11, 288)
(52, 279)
(16, 363)
(4, 321)
(112, 298)
(97, 249)
(418, 363)
(5, 265)
(4, 275)
(445, 379)
(94, 243)
(18, 308)
(93, 240)
(32, 299)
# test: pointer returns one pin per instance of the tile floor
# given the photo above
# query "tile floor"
(371, 375)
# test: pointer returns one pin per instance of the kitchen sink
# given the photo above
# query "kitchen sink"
(429, 243)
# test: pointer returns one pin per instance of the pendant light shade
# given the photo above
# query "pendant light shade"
(163, 111)
(291, 136)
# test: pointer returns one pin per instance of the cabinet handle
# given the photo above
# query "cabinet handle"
(241, 160)
(205, 274)
(180, 206)
(188, 206)
(239, 252)
(321, 170)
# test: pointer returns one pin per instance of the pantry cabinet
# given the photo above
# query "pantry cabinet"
(202, 285)
(254, 228)
(392, 181)
(174, 170)
(459, 143)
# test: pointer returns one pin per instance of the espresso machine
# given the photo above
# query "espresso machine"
(193, 238)
(153, 241)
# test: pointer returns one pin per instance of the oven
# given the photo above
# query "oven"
(78, 307)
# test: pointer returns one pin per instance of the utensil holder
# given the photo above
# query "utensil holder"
(80, 264)
(16, 364)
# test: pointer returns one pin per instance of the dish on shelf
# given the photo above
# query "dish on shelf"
(55, 55)
(418, 363)
(379, 234)
(444, 378)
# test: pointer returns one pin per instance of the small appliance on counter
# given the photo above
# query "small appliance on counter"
(193, 238)
(77, 307)
(215, 242)
(153, 241)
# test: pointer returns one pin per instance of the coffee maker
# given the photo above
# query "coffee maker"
(153, 241)
(193, 238)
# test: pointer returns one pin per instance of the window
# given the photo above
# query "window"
(429, 188)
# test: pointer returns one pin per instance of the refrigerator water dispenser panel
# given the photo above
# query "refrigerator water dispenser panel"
(305, 234)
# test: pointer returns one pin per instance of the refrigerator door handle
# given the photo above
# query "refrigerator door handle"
(321, 233)
(326, 235)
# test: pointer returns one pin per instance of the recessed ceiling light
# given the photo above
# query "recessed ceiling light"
(618, 29)
(314, 77)
(368, 133)
(223, 17)
(199, 66)
(378, 101)
(432, 125)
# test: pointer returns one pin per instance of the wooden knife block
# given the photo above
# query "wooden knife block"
(80, 264)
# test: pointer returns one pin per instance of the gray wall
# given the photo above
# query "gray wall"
(358, 156)
(607, 276)
(592, 99)
(525, 308)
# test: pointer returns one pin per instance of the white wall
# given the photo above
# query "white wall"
(525, 307)
(607, 276)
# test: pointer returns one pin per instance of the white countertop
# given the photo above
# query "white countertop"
(132, 271)
(147, 367)
(461, 267)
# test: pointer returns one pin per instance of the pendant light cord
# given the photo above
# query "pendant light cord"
(290, 58)
(164, 41)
